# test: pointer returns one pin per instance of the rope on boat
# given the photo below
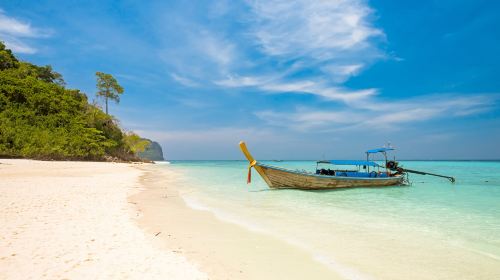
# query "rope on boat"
(249, 177)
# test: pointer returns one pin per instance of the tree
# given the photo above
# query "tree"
(46, 74)
(7, 59)
(108, 87)
(40, 118)
(135, 143)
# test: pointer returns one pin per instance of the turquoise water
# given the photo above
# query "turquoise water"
(463, 215)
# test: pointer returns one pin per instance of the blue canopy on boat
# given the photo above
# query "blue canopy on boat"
(350, 162)
(379, 150)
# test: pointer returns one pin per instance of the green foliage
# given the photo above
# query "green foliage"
(7, 59)
(135, 142)
(48, 75)
(39, 118)
(108, 87)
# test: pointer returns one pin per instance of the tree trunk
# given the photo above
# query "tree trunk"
(106, 105)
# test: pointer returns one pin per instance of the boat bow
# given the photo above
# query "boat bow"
(253, 164)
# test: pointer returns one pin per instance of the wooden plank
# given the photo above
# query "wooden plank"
(283, 179)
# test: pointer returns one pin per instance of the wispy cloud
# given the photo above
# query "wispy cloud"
(216, 48)
(183, 80)
(277, 85)
(331, 40)
(335, 40)
(201, 55)
(394, 114)
(340, 73)
(14, 27)
(336, 37)
(331, 93)
(279, 41)
(305, 119)
(16, 45)
(319, 29)
(244, 81)
(13, 32)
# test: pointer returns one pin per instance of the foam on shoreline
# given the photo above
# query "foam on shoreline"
(359, 234)
(220, 246)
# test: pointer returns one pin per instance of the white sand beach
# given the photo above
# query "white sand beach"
(92, 220)
(72, 220)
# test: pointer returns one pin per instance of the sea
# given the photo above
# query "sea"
(357, 231)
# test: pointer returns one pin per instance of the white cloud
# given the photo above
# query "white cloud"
(15, 27)
(12, 32)
(313, 28)
(216, 48)
(303, 86)
(200, 55)
(275, 85)
(244, 81)
(334, 37)
(345, 95)
(341, 73)
(16, 45)
(308, 119)
(183, 80)
(394, 113)
(283, 38)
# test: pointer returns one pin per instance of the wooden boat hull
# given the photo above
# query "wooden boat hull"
(279, 178)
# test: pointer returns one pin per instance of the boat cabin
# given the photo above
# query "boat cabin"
(356, 168)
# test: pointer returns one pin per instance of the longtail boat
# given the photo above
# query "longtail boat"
(365, 174)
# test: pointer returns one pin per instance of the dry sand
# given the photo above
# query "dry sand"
(72, 220)
(88, 220)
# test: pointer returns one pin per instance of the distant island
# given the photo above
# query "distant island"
(42, 119)
(152, 152)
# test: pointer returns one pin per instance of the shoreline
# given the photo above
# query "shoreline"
(117, 220)
(221, 249)
(351, 250)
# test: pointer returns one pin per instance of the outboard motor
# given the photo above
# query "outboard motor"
(392, 165)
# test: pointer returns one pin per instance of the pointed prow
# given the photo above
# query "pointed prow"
(245, 151)
(252, 161)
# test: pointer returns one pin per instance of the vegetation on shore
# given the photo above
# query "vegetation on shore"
(40, 118)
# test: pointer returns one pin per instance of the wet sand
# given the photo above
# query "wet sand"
(222, 250)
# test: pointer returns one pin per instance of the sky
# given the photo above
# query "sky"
(294, 79)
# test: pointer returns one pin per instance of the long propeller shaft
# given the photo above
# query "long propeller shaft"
(427, 173)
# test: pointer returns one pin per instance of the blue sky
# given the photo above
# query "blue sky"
(296, 80)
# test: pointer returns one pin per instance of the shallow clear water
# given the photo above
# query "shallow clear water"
(465, 214)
